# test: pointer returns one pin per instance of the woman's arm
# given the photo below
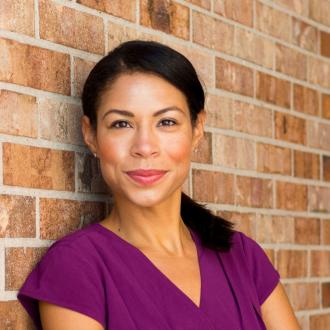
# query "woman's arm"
(277, 312)
(54, 317)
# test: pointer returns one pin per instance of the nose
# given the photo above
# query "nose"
(145, 143)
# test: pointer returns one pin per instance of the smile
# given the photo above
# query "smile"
(146, 177)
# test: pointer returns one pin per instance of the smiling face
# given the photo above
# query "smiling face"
(143, 123)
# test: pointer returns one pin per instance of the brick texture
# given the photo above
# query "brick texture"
(34, 67)
(306, 100)
(17, 216)
(61, 217)
(273, 90)
(213, 33)
(234, 77)
(291, 196)
(120, 8)
(254, 192)
(306, 165)
(17, 16)
(220, 187)
(273, 159)
(33, 167)
(290, 128)
(166, 16)
(237, 10)
(18, 114)
(79, 29)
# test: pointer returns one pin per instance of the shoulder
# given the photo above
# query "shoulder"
(79, 240)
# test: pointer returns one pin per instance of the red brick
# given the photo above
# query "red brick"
(273, 90)
(120, 8)
(254, 192)
(291, 196)
(17, 16)
(60, 121)
(34, 67)
(318, 135)
(298, 6)
(234, 152)
(19, 262)
(326, 231)
(14, 316)
(202, 62)
(290, 128)
(291, 62)
(237, 10)
(319, 10)
(320, 321)
(272, 21)
(303, 296)
(18, 115)
(274, 229)
(292, 263)
(204, 150)
(319, 199)
(34, 167)
(306, 165)
(304, 35)
(206, 4)
(244, 222)
(326, 106)
(17, 216)
(79, 30)
(307, 231)
(82, 69)
(326, 168)
(320, 265)
(89, 179)
(220, 187)
(319, 72)
(252, 119)
(233, 77)
(326, 294)
(166, 16)
(213, 33)
(219, 111)
(60, 217)
(273, 159)
(118, 33)
(325, 43)
(253, 48)
(306, 100)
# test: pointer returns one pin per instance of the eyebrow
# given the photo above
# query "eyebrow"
(131, 114)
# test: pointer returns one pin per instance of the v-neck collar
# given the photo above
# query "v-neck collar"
(156, 270)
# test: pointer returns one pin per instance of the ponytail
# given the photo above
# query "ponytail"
(214, 231)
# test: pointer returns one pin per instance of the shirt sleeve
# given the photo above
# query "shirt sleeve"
(264, 274)
(64, 278)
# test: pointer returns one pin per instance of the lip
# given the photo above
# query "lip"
(146, 177)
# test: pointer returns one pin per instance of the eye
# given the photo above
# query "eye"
(120, 124)
(167, 122)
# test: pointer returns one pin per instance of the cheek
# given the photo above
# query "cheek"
(179, 150)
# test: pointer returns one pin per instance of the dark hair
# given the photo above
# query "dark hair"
(158, 59)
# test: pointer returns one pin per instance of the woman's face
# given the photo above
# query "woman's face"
(144, 138)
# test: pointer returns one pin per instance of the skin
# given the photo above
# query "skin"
(147, 138)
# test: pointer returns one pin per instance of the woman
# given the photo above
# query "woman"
(159, 260)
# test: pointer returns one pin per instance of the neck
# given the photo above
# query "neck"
(158, 228)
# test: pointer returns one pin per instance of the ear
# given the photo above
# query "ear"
(89, 134)
(198, 131)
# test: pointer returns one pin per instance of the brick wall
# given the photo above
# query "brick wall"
(265, 159)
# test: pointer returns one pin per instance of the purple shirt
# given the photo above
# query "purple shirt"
(97, 273)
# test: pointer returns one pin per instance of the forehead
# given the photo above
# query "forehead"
(138, 91)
